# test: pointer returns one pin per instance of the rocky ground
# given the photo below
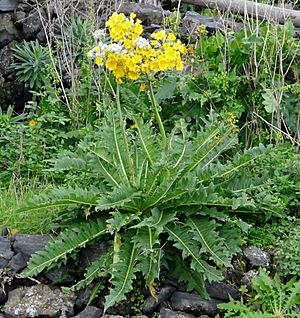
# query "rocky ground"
(42, 297)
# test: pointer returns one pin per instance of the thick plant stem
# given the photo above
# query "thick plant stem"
(157, 116)
(117, 96)
(122, 125)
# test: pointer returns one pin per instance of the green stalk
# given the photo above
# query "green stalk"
(157, 115)
(122, 124)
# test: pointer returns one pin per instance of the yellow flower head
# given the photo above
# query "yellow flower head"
(160, 35)
(143, 87)
(32, 122)
(129, 55)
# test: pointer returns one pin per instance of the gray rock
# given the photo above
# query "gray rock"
(11, 93)
(8, 5)
(60, 275)
(168, 313)
(8, 31)
(257, 257)
(29, 244)
(192, 20)
(4, 231)
(164, 294)
(90, 312)
(91, 253)
(123, 307)
(112, 316)
(17, 263)
(83, 296)
(38, 300)
(32, 25)
(5, 252)
(6, 59)
(149, 14)
(221, 291)
(19, 17)
(192, 303)
(247, 279)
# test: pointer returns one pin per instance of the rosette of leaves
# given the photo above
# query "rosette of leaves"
(32, 61)
(162, 204)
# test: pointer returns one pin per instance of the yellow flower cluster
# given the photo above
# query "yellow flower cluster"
(129, 55)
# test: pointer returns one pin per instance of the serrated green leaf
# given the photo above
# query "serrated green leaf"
(123, 274)
(66, 243)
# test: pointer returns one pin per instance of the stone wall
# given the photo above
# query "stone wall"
(41, 296)
(19, 21)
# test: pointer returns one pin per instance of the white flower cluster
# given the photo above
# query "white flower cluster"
(115, 48)
(98, 34)
(98, 50)
(141, 42)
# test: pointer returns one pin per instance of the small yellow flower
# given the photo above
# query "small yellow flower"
(160, 35)
(143, 87)
(32, 122)
(98, 60)
(134, 126)
(171, 37)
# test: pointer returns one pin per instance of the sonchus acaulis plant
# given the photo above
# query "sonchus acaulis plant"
(162, 197)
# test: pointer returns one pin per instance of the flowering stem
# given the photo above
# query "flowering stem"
(122, 124)
(157, 115)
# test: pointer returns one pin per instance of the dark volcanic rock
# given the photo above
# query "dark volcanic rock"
(4, 231)
(90, 312)
(91, 253)
(221, 291)
(6, 59)
(192, 20)
(123, 307)
(84, 296)
(257, 257)
(38, 300)
(32, 25)
(5, 252)
(168, 313)
(60, 275)
(164, 294)
(29, 244)
(8, 31)
(149, 14)
(247, 279)
(17, 263)
(8, 5)
(194, 304)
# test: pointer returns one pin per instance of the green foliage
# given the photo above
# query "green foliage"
(27, 141)
(271, 298)
(288, 250)
(68, 242)
(32, 61)
(283, 238)
(159, 202)
(13, 196)
(164, 204)
(244, 72)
